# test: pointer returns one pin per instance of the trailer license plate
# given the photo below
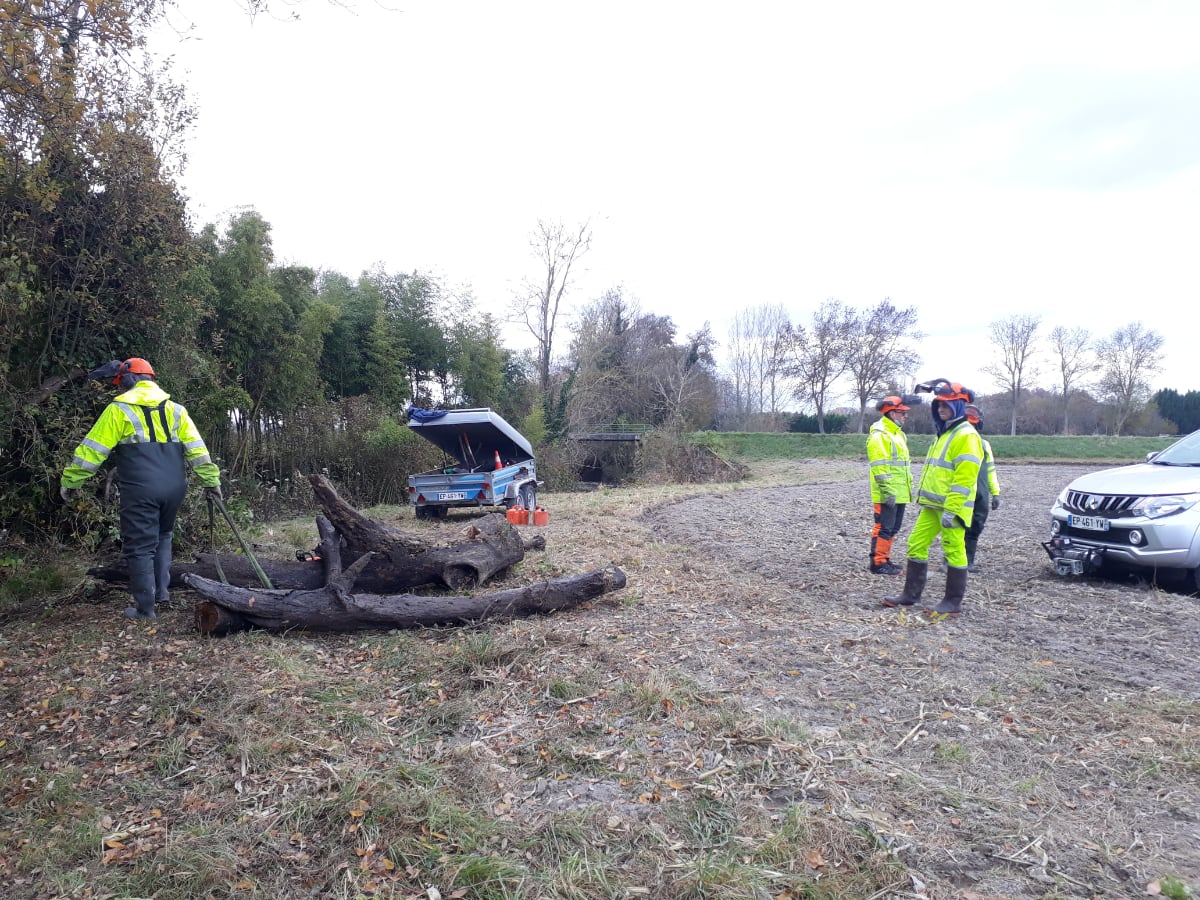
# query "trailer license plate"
(1090, 523)
(452, 495)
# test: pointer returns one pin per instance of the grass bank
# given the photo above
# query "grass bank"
(756, 446)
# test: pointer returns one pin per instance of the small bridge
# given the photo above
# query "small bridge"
(612, 432)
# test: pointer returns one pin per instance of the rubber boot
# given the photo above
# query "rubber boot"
(141, 585)
(956, 587)
(914, 584)
(162, 570)
(971, 543)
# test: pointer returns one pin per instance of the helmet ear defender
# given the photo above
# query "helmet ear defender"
(115, 369)
(946, 390)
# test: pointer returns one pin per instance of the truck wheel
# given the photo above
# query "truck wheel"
(528, 495)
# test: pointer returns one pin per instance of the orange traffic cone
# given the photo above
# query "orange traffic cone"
(499, 465)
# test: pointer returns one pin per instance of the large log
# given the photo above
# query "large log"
(401, 560)
(225, 609)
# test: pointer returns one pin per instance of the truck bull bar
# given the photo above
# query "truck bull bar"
(1072, 559)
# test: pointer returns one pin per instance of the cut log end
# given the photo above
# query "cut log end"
(217, 621)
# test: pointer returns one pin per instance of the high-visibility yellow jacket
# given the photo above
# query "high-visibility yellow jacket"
(891, 468)
(135, 421)
(987, 473)
(951, 470)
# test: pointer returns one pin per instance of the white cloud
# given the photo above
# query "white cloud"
(972, 161)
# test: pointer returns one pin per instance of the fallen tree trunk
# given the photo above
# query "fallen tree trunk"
(225, 609)
(401, 560)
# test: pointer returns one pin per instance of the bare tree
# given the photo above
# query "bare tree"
(599, 357)
(683, 386)
(556, 248)
(818, 355)
(756, 350)
(1127, 357)
(1015, 336)
(880, 351)
(1072, 348)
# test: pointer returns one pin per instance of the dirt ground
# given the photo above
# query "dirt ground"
(1047, 737)
(1044, 745)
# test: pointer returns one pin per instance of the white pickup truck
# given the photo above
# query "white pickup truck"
(1144, 516)
(488, 462)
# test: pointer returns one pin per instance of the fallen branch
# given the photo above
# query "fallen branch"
(225, 608)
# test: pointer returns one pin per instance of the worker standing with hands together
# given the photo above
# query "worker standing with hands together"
(891, 479)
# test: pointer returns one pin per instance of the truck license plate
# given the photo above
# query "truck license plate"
(452, 495)
(1090, 523)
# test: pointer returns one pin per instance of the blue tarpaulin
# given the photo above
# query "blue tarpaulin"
(425, 415)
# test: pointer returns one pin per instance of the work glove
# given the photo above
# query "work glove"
(213, 493)
(67, 493)
(948, 520)
(995, 501)
(889, 501)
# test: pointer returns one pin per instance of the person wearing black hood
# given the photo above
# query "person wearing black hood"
(987, 490)
(946, 497)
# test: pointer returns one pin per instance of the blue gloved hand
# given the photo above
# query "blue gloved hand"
(995, 501)
(888, 501)
(213, 493)
(67, 493)
(948, 520)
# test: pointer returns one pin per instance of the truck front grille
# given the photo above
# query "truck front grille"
(1112, 506)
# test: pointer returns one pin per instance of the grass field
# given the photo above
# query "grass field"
(757, 446)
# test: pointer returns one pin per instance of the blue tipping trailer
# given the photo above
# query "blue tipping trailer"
(472, 440)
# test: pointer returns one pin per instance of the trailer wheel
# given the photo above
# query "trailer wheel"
(528, 495)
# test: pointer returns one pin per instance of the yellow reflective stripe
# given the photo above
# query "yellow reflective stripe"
(100, 448)
(176, 414)
(86, 464)
(960, 489)
(135, 419)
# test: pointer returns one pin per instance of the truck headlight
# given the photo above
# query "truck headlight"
(1157, 507)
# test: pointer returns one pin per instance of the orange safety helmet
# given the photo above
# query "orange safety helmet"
(974, 416)
(114, 370)
(893, 403)
(135, 365)
(947, 390)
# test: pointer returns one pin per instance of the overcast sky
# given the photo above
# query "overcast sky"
(973, 160)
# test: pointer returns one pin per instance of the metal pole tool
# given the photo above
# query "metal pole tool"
(258, 570)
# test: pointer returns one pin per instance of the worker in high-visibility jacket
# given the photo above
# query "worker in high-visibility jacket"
(154, 441)
(987, 489)
(891, 480)
(946, 496)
